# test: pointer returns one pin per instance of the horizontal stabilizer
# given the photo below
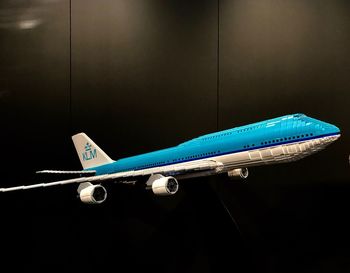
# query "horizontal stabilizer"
(66, 172)
(54, 174)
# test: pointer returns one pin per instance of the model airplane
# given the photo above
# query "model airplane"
(283, 139)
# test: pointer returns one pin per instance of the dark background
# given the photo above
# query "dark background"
(140, 75)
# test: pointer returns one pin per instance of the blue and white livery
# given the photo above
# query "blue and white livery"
(283, 139)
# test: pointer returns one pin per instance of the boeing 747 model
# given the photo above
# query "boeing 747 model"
(283, 139)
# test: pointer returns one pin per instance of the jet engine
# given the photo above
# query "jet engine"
(240, 173)
(165, 186)
(93, 194)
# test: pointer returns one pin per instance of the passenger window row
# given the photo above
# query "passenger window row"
(216, 136)
(249, 128)
(279, 140)
(196, 156)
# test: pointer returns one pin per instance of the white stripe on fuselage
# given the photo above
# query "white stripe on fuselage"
(268, 155)
(274, 154)
(261, 156)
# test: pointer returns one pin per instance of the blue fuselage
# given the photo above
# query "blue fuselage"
(277, 131)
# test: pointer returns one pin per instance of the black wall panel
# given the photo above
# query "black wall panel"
(143, 72)
(276, 58)
(34, 83)
(280, 57)
(34, 110)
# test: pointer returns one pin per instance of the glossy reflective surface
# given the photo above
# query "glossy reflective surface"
(34, 84)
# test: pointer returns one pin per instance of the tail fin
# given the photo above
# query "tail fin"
(89, 153)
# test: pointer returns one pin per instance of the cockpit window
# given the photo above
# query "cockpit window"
(298, 115)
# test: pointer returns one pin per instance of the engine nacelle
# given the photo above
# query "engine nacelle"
(93, 194)
(240, 173)
(165, 186)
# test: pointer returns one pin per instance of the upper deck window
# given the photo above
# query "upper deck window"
(298, 115)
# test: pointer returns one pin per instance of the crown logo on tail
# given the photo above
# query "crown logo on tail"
(89, 153)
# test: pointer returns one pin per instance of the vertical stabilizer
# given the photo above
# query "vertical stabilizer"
(89, 153)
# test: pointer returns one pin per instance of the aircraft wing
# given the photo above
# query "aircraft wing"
(126, 177)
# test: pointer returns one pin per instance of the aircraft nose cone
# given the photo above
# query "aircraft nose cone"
(330, 128)
(335, 129)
